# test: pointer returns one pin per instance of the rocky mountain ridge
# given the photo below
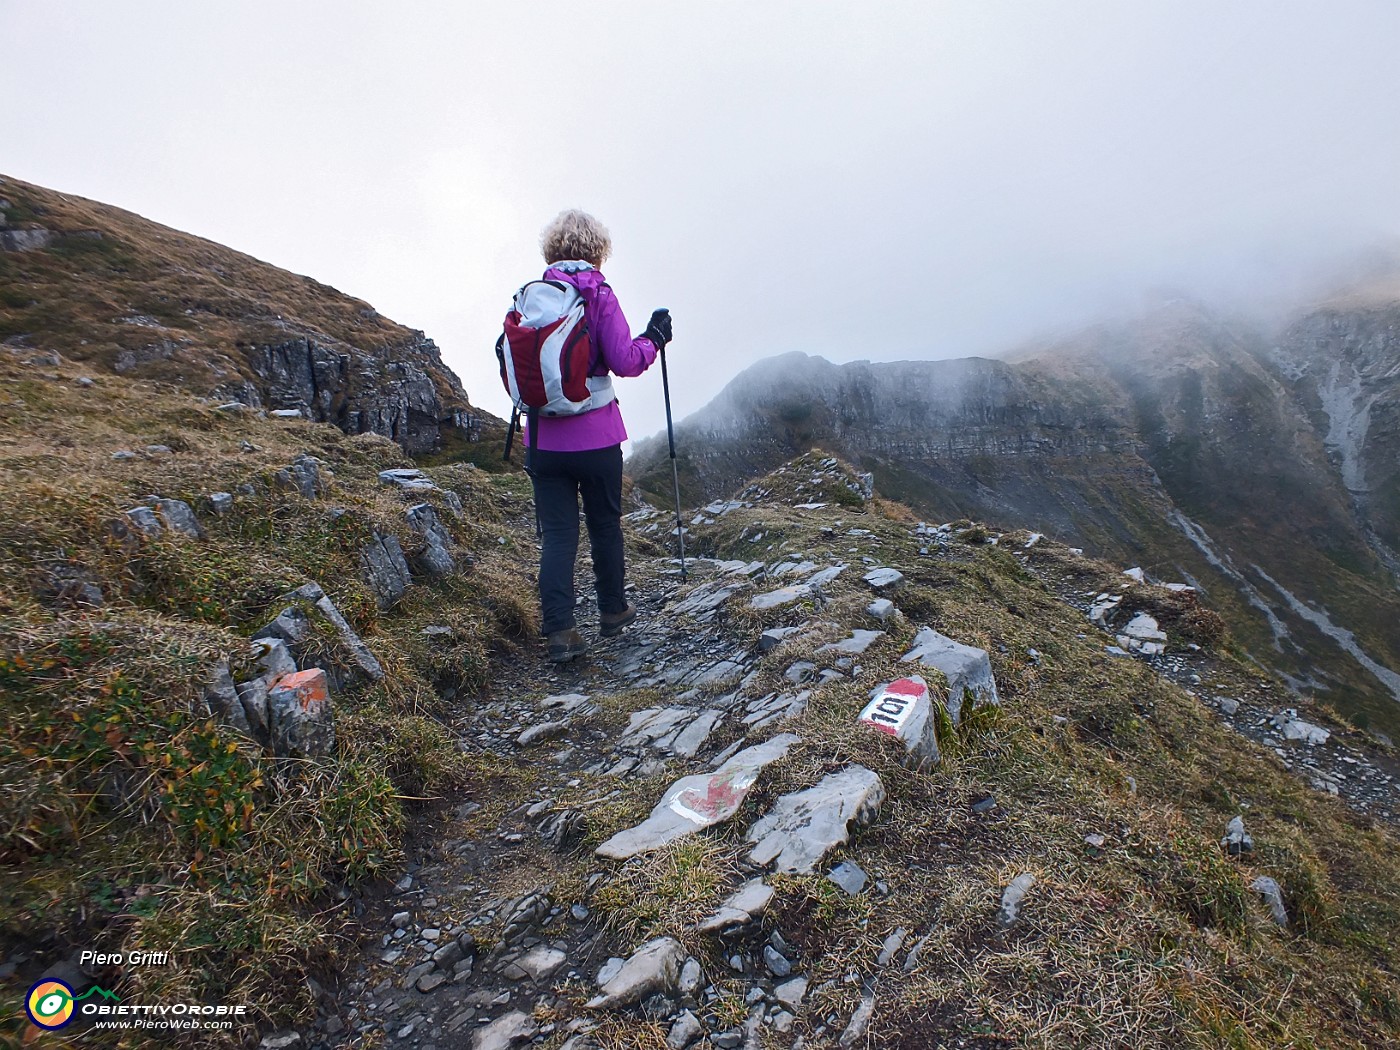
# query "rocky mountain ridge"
(1187, 442)
(119, 293)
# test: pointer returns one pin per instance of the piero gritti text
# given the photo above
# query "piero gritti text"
(90, 958)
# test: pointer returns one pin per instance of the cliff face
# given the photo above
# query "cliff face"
(108, 288)
(1342, 363)
(1259, 467)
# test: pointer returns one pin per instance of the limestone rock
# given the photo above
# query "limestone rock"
(799, 671)
(884, 579)
(679, 730)
(294, 626)
(1011, 897)
(299, 709)
(1142, 635)
(561, 830)
(1294, 728)
(859, 1024)
(882, 609)
(741, 907)
(857, 643)
(435, 558)
(407, 479)
(904, 710)
(384, 569)
(791, 992)
(1237, 841)
(1273, 896)
(535, 964)
(699, 801)
(303, 476)
(253, 697)
(138, 520)
(273, 658)
(71, 585)
(654, 968)
(508, 1030)
(782, 596)
(704, 600)
(849, 876)
(221, 699)
(967, 669)
(773, 637)
(177, 516)
(802, 827)
(542, 731)
(685, 1031)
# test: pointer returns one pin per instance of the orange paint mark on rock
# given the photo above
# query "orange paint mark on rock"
(308, 687)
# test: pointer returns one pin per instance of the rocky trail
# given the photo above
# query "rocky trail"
(512, 923)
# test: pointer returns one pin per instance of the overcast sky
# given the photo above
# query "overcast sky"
(859, 180)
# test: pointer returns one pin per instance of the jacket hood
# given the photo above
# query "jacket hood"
(583, 276)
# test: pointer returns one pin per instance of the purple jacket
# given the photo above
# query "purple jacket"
(614, 350)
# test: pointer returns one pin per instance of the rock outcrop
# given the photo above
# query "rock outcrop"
(229, 326)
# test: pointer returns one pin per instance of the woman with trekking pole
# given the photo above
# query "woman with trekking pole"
(565, 338)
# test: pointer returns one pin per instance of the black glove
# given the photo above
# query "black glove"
(659, 328)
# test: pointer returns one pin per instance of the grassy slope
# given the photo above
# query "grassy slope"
(182, 307)
(130, 823)
(1155, 940)
(126, 820)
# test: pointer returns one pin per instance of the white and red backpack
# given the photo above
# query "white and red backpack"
(545, 355)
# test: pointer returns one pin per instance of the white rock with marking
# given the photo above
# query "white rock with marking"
(904, 710)
(699, 801)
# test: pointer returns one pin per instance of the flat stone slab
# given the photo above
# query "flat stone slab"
(704, 600)
(782, 596)
(884, 578)
(508, 1030)
(802, 827)
(904, 710)
(700, 801)
(858, 642)
(654, 967)
(536, 964)
(849, 876)
(676, 730)
(967, 669)
(775, 706)
(825, 576)
(741, 907)
(407, 479)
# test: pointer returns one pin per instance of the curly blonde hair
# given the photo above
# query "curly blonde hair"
(575, 234)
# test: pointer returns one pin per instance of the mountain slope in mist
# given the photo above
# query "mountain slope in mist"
(1257, 466)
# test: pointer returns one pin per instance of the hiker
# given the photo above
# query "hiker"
(573, 455)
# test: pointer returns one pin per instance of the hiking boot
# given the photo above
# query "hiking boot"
(566, 645)
(613, 623)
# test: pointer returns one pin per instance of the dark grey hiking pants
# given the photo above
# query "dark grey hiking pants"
(560, 478)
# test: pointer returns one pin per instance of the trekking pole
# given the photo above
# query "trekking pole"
(675, 474)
